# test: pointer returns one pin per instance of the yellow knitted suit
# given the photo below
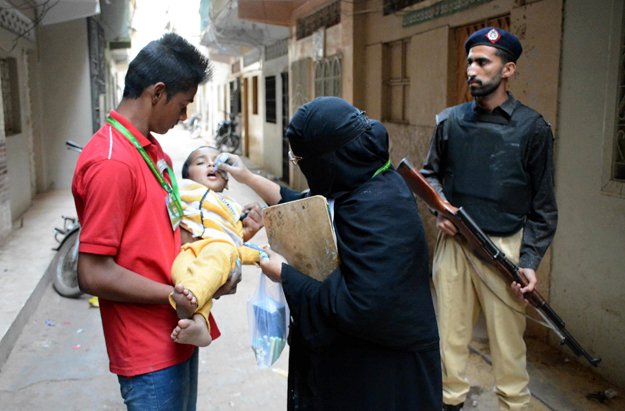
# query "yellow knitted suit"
(204, 265)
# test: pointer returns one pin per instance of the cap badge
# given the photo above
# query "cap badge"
(493, 36)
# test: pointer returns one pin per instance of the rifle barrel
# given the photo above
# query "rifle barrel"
(485, 248)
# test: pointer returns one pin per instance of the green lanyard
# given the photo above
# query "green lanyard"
(171, 189)
(382, 169)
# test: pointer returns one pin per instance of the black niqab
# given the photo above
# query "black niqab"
(341, 148)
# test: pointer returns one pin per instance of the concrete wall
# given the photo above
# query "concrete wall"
(254, 121)
(588, 258)
(65, 96)
(19, 146)
(538, 24)
(212, 98)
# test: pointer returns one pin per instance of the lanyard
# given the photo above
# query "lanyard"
(382, 169)
(171, 189)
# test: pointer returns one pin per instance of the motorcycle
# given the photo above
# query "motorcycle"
(64, 266)
(194, 125)
(226, 138)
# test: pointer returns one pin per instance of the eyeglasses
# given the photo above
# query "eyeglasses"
(293, 158)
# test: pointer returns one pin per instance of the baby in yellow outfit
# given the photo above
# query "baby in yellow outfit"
(203, 265)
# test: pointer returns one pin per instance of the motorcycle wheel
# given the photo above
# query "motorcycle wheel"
(232, 143)
(64, 267)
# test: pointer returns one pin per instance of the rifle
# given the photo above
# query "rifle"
(482, 245)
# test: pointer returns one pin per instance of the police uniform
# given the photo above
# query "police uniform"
(498, 166)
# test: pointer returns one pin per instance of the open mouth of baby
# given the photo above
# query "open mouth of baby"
(214, 174)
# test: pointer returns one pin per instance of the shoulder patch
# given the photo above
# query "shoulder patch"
(443, 115)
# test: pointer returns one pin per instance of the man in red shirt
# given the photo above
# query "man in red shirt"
(127, 203)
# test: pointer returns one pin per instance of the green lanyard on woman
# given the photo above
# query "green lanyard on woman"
(174, 206)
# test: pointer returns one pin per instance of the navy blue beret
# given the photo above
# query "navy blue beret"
(495, 37)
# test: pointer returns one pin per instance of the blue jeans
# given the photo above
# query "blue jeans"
(169, 389)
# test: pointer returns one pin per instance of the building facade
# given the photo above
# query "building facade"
(403, 61)
(58, 64)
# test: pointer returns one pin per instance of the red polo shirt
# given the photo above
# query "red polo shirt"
(121, 207)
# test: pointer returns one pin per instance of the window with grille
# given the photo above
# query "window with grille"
(618, 163)
(325, 17)
(396, 84)
(393, 6)
(328, 77)
(255, 95)
(10, 96)
(301, 71)
(270, 99)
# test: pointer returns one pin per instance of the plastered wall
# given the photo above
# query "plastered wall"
(65, 98)
(588, 256)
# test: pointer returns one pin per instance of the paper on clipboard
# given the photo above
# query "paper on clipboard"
(303, 233)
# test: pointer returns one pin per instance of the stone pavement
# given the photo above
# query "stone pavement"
(229, 378)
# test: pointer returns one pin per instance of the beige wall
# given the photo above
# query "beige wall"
(255, 121)
(588, 257)
(19, 146)
(66, 97)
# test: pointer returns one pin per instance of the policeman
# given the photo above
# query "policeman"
(492, 156)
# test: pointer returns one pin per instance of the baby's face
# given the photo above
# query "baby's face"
(202, 169)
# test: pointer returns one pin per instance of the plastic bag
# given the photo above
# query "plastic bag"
(268, 317)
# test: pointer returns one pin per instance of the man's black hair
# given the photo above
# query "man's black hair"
(171, 60)
(505, 56)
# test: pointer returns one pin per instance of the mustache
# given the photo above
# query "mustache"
(474, 80)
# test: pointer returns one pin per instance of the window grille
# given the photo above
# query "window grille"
(618, 165)
(301, 70)
(10, 96)
(255, 95)
(328, 77)
(392, 6)
(325, 17)
(270, 99)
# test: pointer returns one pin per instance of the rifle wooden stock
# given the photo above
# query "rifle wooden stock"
(482, 245)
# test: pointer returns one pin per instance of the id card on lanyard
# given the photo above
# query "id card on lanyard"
(172, 199)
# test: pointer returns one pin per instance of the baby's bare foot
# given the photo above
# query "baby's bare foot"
(192, 331)
(186, 303)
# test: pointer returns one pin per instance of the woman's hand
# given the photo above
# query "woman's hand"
(235, 167)
(272, 266)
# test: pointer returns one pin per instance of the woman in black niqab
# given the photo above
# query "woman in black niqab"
(366, 337)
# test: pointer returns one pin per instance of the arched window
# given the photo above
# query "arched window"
(328, 75)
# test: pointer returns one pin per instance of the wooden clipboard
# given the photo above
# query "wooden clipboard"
(303, 233)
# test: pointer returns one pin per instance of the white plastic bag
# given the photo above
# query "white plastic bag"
(268, 317)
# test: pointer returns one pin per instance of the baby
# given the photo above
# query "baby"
(204, 264)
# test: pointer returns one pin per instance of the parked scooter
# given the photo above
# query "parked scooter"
(64, 266)
(226, 138)
(194, 125)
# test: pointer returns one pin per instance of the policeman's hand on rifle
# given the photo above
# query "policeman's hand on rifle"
(445, 225)
(518, 289)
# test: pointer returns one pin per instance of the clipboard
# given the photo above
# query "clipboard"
(303, 233)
